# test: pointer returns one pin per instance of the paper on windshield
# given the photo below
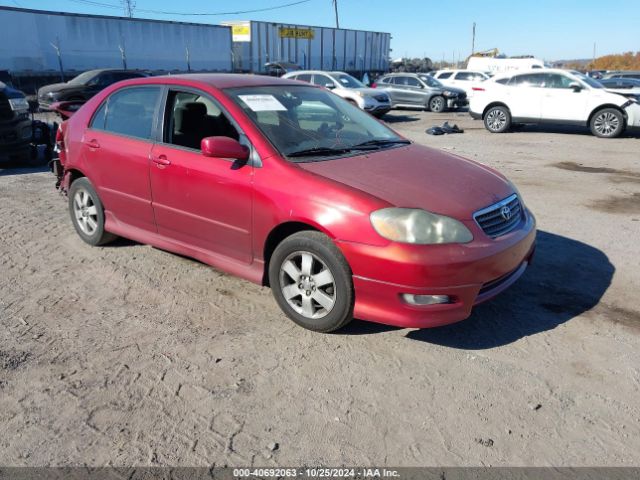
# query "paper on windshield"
(262, 103)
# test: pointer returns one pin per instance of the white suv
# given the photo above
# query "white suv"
(464, 79)
(552, 96)
(375, 102)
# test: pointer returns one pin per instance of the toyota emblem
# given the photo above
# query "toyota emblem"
(505, 212)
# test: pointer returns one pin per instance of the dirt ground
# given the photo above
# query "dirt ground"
(128, 355)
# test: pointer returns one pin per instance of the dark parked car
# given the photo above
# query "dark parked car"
(15, 123)
(83, 87)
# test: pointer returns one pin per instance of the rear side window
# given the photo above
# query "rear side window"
(464, 76)
(129, 112)
(304, 77)
(445, 75)
(535, 80)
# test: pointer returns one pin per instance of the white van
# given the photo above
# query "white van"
(496, 65)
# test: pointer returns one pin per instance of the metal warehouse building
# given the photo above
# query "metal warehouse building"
(31, 39)
(318, 48)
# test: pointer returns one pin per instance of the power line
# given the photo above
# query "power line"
(162, 12)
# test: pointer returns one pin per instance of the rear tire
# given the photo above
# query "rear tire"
(497, 119)
(437, 104)
(312, 282)
(607, 123)
(87, 213)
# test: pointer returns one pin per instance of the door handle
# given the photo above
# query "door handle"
(93, 143)
(161, 160)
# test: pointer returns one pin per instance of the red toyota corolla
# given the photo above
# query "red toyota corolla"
(288, 185)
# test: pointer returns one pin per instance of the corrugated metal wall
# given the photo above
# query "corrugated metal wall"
(88, 42)
(330, 49)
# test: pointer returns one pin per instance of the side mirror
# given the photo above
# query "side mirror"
(575, 86)
(224, 147)
(330, 86)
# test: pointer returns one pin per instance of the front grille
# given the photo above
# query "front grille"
(381, 98)
(462, 95)
(500, 218)
(5, 109)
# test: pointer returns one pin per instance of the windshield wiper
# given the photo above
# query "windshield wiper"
(318, 151)
(377, 142)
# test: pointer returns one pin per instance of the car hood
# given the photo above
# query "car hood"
(55, 87)
(455, 90)
(366, 91)
(415, 176)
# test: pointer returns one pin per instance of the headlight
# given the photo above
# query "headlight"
(411, 225)
(447, 93)
(19, 104)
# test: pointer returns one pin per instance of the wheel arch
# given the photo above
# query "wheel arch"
(602, 107)
(278, 234)
(494, 104)
(70, 176)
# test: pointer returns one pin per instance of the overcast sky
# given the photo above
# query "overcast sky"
(548, 29)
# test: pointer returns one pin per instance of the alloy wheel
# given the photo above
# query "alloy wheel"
(606, 124)
(85, 211)
(496, 120)
(307, 284)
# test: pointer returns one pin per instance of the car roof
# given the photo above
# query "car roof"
(332, 72)
(216, 80)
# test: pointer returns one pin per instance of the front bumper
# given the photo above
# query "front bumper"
(468, 273)
(379, 109)
(457, 102)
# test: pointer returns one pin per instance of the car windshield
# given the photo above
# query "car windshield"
(348, 81)
(83, 78)
(306, 123)
(593, 83)
(430, 81)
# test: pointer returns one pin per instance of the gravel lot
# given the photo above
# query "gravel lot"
(128, 355)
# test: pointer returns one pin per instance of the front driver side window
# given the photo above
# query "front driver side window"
(190, 117)
(555, 80)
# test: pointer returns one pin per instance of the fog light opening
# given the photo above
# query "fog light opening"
(412, 299)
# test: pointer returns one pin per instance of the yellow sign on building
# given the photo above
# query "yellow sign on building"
(292, 32)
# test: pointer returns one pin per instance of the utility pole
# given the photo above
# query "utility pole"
(335, 7)
(129, 6)
(594, 55)
(473, 39)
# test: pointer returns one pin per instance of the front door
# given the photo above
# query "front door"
(561, 101)
(202, 202)
(117, 145)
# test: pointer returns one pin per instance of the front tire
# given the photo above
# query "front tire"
(607, 123)
(497, 119)
(87, 213)
(312, 282)
(437, 104)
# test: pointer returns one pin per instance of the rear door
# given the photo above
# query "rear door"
(524, 94)
(200, 201)
(116, 149)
